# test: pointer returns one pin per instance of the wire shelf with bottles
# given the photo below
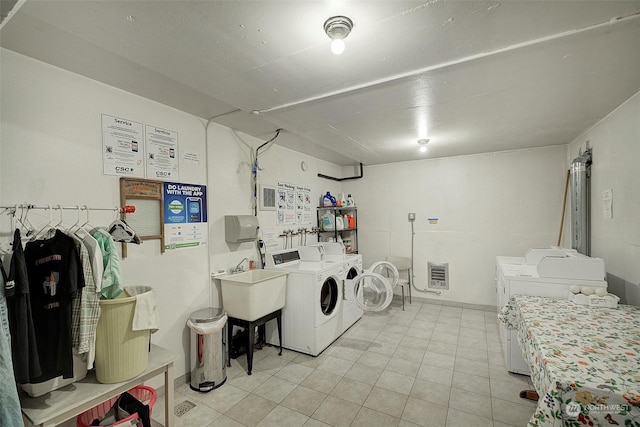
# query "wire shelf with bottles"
(339, 224)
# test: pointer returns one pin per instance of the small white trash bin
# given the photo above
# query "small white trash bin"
(208, 348)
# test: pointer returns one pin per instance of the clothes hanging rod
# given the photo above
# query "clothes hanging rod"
(125, 209)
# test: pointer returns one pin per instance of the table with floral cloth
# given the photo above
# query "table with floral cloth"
(585, 362)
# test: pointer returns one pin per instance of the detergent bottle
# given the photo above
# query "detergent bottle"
(339, 223)
(342, 199)
(350, 201)
(328, 200)
(328, 221)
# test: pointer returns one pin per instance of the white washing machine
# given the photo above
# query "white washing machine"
(311, 317)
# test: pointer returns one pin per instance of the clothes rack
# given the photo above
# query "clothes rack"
(28, 206)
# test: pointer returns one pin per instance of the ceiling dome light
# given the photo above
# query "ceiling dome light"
(337, 46)
(338, 28)
(423, 145)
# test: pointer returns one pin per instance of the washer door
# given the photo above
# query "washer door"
(352, 275)
(372, 291)
(329, 294)
(387, 270)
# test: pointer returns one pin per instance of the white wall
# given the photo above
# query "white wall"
(487, 205)
(616, 158)
(231, 191)
(51, 154)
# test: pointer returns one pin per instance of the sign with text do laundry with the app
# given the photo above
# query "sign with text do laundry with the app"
(185, 215)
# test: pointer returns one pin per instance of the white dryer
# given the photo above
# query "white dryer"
(351, 312)
(335, 252)
(362, 290)
(311, 317)
(542, 272)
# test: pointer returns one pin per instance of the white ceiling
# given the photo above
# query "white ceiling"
(473, 76)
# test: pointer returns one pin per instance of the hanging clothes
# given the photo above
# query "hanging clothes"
(86, 309)
(95, 255)
(112, 277)
(97, 268)
(10, 412)
(55, 279)
(26, 361)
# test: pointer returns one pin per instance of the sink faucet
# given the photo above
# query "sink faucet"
(238, 268)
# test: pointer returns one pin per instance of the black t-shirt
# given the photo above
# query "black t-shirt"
(55, 278)
(26, 362)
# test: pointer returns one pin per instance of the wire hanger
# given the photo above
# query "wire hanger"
(24, 220)
(121, 231)
(59, 223)
(71, 228)
(47, 227)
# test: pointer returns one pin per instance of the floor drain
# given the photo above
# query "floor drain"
(183, 408)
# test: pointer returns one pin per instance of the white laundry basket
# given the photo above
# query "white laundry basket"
(121, 352)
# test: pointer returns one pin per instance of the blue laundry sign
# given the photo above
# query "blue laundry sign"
(185, 215)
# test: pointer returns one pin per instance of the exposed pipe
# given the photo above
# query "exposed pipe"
(343, 179)
(581, 203)
(254, 171)
(209, 232)
(447, 64)
(413, 275)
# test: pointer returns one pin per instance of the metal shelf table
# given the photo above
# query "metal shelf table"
(67, 402)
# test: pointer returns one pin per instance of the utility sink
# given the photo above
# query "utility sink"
(253, 294)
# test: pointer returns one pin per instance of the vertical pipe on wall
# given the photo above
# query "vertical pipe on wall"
(581, 203)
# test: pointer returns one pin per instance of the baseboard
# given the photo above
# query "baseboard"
(433, 301)
(182, 379)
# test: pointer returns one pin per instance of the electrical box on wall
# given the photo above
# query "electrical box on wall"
(240, 228)
(438, 275)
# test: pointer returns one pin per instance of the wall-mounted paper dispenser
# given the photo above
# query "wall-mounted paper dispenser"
(240, 228)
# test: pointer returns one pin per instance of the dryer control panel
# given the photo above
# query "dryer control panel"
(282, 257)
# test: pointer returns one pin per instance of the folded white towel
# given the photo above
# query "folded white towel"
(145, 315)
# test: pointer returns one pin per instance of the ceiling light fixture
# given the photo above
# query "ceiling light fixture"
(338, 28)
(423, 145)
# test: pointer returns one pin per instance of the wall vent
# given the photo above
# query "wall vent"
(438, 275)
(267, 198)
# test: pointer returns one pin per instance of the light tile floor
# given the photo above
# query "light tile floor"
(429, 365)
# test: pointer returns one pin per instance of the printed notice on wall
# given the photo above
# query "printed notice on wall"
(185, 215)
(303, 205)
(286, 204)
(122, 147)
(607, 204)
(162, 153)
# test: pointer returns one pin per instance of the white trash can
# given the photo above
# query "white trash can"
(208, 348)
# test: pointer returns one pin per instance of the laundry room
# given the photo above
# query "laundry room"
(441, 179)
